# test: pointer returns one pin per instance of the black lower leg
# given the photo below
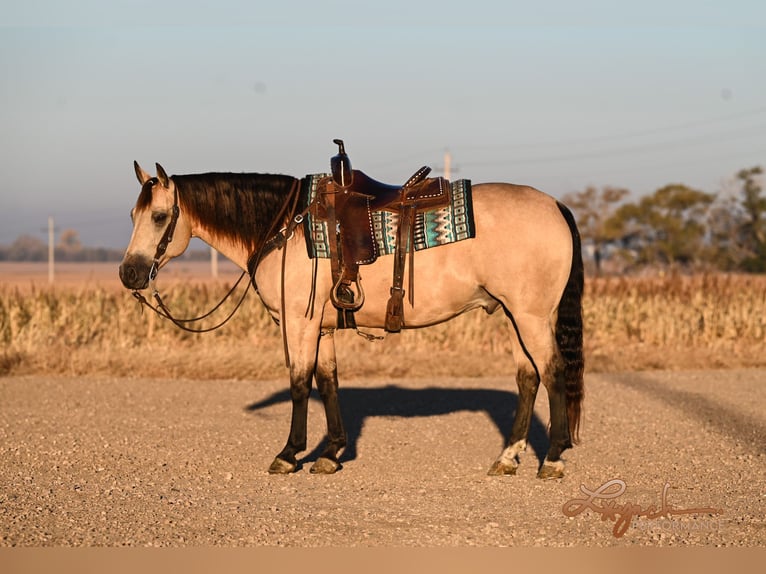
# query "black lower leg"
(336, 434)
(528, 383)
(300, 388)
(560, 438)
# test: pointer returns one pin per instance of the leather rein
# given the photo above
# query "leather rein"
(276, 240)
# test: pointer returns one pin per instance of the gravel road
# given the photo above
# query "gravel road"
(132, 462)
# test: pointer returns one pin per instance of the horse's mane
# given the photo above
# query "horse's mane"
(241, 207)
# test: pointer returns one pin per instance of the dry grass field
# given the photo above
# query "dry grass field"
(85, 323)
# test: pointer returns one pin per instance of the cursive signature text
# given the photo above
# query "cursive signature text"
(602, 501)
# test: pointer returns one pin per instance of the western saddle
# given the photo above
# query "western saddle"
(346, 200)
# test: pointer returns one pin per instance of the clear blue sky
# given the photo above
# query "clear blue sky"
(631, 94)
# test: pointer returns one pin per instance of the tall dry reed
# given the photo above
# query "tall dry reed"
(704, 321)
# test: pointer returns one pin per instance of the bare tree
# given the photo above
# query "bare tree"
(594, 209)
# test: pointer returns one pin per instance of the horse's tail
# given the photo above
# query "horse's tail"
(569, 330)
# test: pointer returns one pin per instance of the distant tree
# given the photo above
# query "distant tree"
(27, 248)
(753, 228)
(69, 247)
(738, 224)
(726, 252)
(593, 210)
(70, 240)
(667, 227)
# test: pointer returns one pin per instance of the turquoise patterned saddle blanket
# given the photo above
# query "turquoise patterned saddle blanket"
(431, 229)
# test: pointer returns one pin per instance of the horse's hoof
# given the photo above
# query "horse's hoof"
(551, 470)
(500, 468)
(280, 466)
(324, 465)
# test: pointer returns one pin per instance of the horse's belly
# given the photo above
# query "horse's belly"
(445, 285)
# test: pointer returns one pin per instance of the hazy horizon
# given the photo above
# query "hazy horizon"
(559, 97)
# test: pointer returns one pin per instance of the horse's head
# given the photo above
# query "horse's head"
(160, 230)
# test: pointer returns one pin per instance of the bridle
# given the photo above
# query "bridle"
(276, 239)
(167, 237)
(161, 309)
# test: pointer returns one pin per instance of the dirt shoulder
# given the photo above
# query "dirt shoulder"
(139, 462)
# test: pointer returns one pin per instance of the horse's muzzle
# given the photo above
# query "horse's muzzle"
(134, 272)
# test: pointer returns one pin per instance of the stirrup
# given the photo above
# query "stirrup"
(342, 296)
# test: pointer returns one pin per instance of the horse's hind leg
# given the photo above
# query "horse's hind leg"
(527, 382)
(560, 439)
(327, 383)
(538, 360)
(537, 335)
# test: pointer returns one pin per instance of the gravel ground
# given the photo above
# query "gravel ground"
(131, 462)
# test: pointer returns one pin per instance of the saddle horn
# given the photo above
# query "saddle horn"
(340, 166)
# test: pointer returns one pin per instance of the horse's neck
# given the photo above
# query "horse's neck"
(232, 250)
(236, 249)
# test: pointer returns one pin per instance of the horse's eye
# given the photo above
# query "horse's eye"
(160, 218)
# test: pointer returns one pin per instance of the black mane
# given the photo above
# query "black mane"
(238, 206)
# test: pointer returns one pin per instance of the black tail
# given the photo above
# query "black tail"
(569, 330)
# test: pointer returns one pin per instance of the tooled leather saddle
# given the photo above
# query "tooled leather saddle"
(346, 200)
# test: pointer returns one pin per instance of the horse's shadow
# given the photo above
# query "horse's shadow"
(360, 403)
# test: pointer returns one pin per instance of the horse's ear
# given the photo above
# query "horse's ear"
(142, 176)
(162, 176)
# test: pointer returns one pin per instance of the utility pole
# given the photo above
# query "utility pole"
(51, 249)
(213, 262)
(447, 168)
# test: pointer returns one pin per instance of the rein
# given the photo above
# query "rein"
(162, 310)
(276, 240)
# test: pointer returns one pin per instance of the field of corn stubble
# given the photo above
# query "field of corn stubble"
(669, 322)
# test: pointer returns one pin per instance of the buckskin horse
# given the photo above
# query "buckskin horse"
(525, 259)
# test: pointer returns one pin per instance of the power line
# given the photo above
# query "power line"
(417, 156)
(624, 135)
(685, 142)
(611, 173)
(411, 157)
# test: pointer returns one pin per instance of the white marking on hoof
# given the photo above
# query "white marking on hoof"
(507, 462)
(550, 469)
(510, 454)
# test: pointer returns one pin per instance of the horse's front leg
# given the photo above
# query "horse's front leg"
(300, 388)
(327, 383)
(302, 343)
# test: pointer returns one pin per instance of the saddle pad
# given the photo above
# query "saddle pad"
(432, 228)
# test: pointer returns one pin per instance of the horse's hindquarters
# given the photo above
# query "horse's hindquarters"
(520, 258)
